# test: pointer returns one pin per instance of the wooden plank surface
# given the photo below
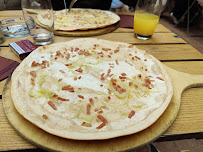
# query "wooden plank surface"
(188, 119)
(172, 52)
(160, 29)
(9, 139)
(7, 53)
(162, 52)
(157, 38)
(6, 13)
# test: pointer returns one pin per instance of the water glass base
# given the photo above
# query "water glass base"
(43, 38)
(43, 42)
(142, 37)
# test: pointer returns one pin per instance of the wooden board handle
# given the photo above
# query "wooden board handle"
(194, 80)
(183, 81)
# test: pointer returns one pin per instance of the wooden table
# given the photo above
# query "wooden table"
(166, 46)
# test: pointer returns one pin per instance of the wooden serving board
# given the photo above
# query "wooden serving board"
(90, 32)
(181, 81)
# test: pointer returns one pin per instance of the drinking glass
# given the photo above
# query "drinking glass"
(146, 18)
(41, 33)
(14, 27)
(1, 35)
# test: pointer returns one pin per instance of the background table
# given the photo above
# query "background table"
(166, 46)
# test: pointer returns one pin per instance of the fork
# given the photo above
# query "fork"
(70, 6)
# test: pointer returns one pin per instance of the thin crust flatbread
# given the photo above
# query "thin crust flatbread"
(89, 89)
(79, 19)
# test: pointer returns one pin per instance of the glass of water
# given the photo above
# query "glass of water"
(38, 15)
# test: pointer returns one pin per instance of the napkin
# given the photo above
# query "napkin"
(6, 67)
(126, 21)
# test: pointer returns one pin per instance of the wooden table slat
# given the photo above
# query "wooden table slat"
(12, 13)
(162, 52)
(160, 29)
(171, 52)
(192, 67)
(157, 38)
(9, 139)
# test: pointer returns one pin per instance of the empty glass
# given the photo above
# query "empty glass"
(1, 35)
(14, 27)
(41, 31)
(146, 18)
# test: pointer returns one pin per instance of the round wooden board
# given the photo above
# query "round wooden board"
(44, 140)
(90, 32)
(84, 33)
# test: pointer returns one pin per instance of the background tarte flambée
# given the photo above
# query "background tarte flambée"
(88, 89)
(80, 19)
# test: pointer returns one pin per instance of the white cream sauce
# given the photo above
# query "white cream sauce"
(92, 81)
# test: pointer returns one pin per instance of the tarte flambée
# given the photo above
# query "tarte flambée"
(79, 19)
(89, 89)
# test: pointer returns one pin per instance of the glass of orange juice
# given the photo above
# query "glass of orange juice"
(146, 18)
